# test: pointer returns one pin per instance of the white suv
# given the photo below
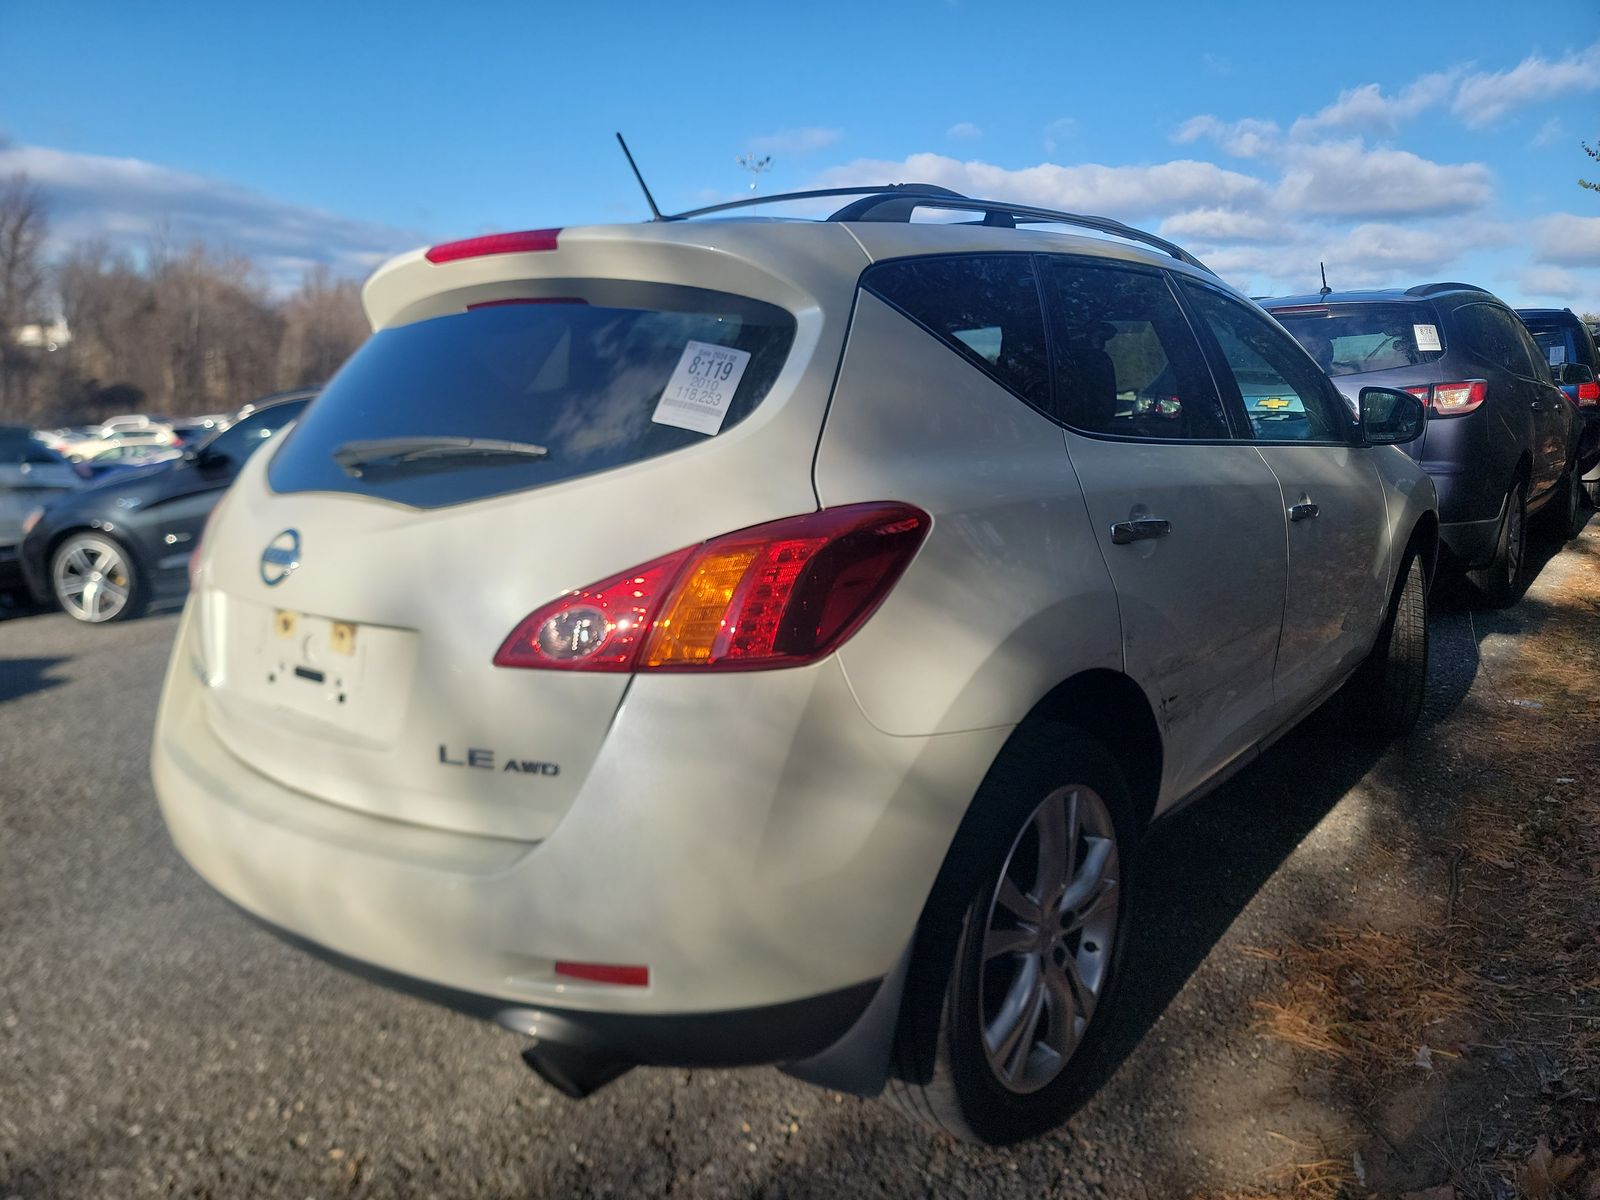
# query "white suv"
(733, 641)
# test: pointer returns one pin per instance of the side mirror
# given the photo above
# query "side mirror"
(1575, 373)
(1390, 417)
(210, 460)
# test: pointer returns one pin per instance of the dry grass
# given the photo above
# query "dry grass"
(1513, 966)
(1365, 1002)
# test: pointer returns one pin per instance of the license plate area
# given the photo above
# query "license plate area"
(312, 664)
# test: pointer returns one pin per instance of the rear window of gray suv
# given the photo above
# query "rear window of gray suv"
(517, 394)
(1357, 338)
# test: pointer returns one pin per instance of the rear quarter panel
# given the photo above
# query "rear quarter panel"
(1009, 595)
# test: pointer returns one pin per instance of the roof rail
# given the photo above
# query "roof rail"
(1428, 289)
(897, 202)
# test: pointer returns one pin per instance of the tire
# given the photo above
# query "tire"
(96, 579)
(1385, 695)
(945, 1073)
(1499, 585)
(1566, 514)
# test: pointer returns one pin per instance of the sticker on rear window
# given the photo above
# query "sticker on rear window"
(702, 387)
(1427, 337)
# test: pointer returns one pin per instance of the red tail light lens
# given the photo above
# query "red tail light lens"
(1588, 395)
(605, 973)
(776, 595)
(1453, 399)
(494, 243)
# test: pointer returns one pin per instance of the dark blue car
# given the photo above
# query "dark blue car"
(1502, 440)
(105, 551)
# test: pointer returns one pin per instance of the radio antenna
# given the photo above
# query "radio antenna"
(1324, 267)
(655, 213)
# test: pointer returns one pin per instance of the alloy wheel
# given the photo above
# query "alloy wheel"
(1048, 940)
(92, 580)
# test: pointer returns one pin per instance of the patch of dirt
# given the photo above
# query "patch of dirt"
(1464, 1036)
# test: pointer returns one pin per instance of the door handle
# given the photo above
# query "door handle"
(1139, 530)
(1538, 406)
(1303, 511)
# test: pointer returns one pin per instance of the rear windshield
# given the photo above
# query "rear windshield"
(1555, 342)
(1354, 339)
(517, 394)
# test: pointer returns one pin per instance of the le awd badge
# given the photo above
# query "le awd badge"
(475, 757)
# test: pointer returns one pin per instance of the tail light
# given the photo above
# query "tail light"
(494, 243)
(1588, 395)
(775, 595)
(1453, 399)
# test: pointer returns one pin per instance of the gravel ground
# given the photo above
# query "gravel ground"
(153, 1042)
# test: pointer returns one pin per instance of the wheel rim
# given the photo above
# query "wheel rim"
(1514, 541)
(1048, 940)
(91, 580)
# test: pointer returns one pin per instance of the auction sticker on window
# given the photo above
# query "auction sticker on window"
(1427, 337)
(702, 387)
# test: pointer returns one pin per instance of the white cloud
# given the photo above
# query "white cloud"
(795, 141)
(1548, 133)
(1346, 179)
(1058, 131)
(1224, 225)
(1249, 138)
(1130, 191)
(1484, 98)
(1367, 109)
(128, 202)
(964, 131)
(1550, 282)
(1567, 240)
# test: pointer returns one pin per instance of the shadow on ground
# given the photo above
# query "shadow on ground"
(23, 676)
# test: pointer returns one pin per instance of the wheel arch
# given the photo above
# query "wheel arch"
(1112, 708)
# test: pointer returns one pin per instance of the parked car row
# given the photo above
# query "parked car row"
(103, 544)
(920, 568)
(1513, 407)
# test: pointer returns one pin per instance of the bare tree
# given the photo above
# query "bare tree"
(323, 324)
(22, 277)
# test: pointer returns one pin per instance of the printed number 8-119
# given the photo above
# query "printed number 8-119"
(715, 369)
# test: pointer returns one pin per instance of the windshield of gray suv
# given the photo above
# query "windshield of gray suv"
(1354, 339)
(520, 393)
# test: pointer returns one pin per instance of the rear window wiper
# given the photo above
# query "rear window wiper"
(393, 452)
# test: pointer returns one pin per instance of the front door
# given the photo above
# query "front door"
(1332, 497)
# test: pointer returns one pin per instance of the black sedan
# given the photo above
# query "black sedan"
(104, 552)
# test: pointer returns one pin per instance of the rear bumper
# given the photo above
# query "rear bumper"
(746, 883)
(1471, 543)
(577, 1051)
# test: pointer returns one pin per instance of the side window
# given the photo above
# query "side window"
(1541, 366)
(1126, 360)
(984, 307)
(1284, 393)
(1491, 333)
(239, 440)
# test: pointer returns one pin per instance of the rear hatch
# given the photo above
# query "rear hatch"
(1393, 344)
(520, 426)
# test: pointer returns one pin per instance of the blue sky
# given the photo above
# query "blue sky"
(1398, 142)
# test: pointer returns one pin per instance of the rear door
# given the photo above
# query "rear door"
(1527, 403)
(1333, 498)
(1188, 514)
